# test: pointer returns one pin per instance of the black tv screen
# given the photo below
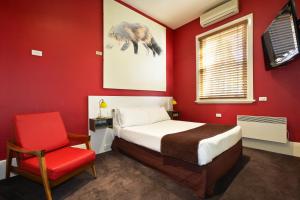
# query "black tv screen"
(281, 39)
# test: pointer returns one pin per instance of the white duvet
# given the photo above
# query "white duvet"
(150, 136)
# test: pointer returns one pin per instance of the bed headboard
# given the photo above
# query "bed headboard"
(124, 101)
(102, 142)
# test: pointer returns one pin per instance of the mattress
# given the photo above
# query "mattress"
(150, 136)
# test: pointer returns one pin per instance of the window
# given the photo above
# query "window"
(225, 63)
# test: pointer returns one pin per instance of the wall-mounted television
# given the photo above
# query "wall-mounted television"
(281, 39)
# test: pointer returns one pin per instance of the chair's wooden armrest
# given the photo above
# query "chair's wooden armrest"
(11, 146)
(79, 137)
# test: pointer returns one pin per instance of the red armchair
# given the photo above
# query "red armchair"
(42, 151)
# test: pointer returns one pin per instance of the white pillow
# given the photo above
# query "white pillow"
(158, 114)
(140, 116)
(133, 117)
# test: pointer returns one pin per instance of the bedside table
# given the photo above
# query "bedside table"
(96, 123)
(173, 114)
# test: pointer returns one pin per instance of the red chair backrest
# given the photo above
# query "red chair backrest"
(43, 131)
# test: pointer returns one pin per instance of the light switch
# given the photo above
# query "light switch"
(36, 53)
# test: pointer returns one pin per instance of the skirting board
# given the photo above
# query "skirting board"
(290, 148)
(3, 168)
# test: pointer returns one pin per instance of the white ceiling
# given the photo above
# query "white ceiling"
(173, 13)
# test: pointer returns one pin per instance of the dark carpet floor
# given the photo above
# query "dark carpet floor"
(268, 176)
(260, 175)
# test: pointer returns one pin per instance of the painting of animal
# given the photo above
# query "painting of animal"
(134, 50)
(133, 33)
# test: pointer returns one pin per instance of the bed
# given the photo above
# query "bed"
(141, 132)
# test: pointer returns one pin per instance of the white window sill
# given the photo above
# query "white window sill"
(225, 101)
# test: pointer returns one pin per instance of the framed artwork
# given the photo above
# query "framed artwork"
(134, 50)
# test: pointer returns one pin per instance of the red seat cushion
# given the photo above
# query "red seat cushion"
(60, 162)
(43, 131)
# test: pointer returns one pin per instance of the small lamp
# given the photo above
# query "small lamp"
(174, 102)
(171, 104)
(102, 104)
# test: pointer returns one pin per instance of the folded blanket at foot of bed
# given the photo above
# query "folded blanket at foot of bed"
(184, 145)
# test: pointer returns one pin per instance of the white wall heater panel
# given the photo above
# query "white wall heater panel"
(272, 129)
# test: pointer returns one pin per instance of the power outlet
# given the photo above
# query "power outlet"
(218, 115)
(36, 53)
(263, 98)
(99, 53)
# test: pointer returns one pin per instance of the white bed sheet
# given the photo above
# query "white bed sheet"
(150, 136)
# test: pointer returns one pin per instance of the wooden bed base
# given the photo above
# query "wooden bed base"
(201, 179)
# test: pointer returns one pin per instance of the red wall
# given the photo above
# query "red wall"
(281, 86)
(69, 32)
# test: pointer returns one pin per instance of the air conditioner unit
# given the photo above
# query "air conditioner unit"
(219, 13)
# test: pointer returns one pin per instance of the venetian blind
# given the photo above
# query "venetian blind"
(223, 63)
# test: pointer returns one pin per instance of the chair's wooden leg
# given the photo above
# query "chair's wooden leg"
(8, 162)
(94, 170)
(88, 146)
(45, 177)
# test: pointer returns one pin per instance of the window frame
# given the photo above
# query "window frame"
(250, 98)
